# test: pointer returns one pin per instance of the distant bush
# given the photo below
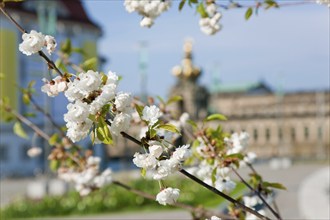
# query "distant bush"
(110, 199)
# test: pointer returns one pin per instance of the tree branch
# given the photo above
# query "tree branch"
(258, 194)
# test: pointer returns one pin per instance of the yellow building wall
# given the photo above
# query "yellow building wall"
(8, 68)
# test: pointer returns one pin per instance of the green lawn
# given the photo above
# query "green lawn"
(112, 199)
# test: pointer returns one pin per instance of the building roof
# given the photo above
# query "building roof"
(243, 87)
(77, 12)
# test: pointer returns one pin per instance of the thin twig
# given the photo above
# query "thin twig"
(258, 194)
(177, 204)
(192, 177)
(255, 172)
(50, 63)
(46, 114)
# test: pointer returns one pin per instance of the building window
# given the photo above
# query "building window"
(280, 134)
(293, 134)
(267, 134)
(306, 133)
(3, 153)
(255, 135)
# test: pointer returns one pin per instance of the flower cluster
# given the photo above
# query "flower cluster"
(237, 142)
(323, 2)
(88, 179)
(34, 42)
(168, 196)
(210, 24)
(88, 94)
(158, 167)
(149, 9)
(213, 167)
(220, 180)
(55, 86)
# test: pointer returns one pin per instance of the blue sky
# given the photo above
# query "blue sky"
(287, 47)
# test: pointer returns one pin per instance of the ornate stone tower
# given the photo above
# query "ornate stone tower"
(195, 97)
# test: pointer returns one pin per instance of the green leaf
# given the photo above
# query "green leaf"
(61, 65)
(31, 84)
(139, 109)
(174, 99)
(201, 10)
(161, 100)
(92, 136)
(169, 127)
(19, 131)
(53, 139)
(104, 78)
(270, 4)
(26, 99)
(193, 1)
(248, 13)
(274, 185)
(213, 175)
(192, 123)
(54, 165)
(182, 3)
(78, 50)
(66, 47)
(143, 172)
(152, 132)
(238, 156)
(103, 132)
(216, 117)
(90, 64)
(30, 115)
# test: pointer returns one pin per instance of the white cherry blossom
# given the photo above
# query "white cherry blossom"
(77, 112)
(50, 43)
(120, 123)
(32, 43)
(55, 86)
(151, 114)
(168, 196)
(123, 101)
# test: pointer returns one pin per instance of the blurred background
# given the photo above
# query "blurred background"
(269, 75)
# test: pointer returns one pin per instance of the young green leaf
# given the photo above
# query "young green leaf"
(66, 47)
(192, 123)
(182, 3)
(274, 185)
(201, 10)
(19, 131)
(169, 127)
(216, 117)
(152, 133)
(139, 109)
(103, 132)
(174, 99)
(161, 100)
(143, 172)
(90, 64)
(213, 175)
(54, 165)
(248, 13)
(26, 99)
(53, 139)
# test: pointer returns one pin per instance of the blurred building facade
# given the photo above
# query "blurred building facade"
(61, 19)
(294, 124)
